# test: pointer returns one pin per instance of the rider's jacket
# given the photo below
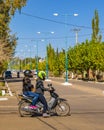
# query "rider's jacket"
(27, 86)
(40, 87)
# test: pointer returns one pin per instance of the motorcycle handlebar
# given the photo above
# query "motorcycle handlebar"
(49, 85)
(51, 88)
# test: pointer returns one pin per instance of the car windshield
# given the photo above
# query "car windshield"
(8, 72)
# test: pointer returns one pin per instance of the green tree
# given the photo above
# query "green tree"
(51, 57)
(62, 61)
(7, 41)
(56, 65)
(96, 37)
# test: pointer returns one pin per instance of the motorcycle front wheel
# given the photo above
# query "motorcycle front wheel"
(23, 109)
(63, 109)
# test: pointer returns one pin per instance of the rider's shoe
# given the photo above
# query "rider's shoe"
(46, 115)
(33, 107)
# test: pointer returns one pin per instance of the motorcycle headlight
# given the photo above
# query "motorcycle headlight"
(58, 101)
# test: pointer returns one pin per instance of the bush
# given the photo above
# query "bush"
(0, 93)
(56, 73)
(2, 84)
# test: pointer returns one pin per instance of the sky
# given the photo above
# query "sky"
(37, 16)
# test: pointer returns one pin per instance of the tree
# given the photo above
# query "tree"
(51, 56)
(95, 28)
(62, 61)
(7, 41)
(56, 64)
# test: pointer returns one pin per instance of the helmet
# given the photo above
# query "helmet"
(42, 75)
(28, 73)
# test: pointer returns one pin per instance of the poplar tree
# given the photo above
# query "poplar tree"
(51, 56)
(96, 37)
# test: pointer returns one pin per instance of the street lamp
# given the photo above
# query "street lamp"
(46, 33)
(21, 60)
(66, 55)
(30, 58)
(37, 57)
(25, 56)
(37, 41)
(56, 14)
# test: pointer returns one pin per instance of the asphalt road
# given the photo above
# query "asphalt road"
(86, 101)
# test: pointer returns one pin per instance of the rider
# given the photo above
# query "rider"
(27, 89)
(40, 90)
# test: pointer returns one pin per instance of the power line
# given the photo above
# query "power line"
(63, 37)
(58, 22)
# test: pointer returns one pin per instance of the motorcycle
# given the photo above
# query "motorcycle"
(56, 105)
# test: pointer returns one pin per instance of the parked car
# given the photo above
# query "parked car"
(8, 74)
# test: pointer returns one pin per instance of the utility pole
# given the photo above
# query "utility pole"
(76, 30)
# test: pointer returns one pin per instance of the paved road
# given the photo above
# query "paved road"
(87, 109)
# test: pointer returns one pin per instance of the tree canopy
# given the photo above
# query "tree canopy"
(7, 41)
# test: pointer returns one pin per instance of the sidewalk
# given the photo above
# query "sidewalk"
(93, 90)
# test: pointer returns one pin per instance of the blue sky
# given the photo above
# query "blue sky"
(37, 16)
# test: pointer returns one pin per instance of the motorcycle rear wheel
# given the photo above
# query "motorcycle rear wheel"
(63, 109)
(24, 109)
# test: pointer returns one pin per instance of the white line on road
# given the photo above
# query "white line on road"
(3, 99)
(8, 106)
